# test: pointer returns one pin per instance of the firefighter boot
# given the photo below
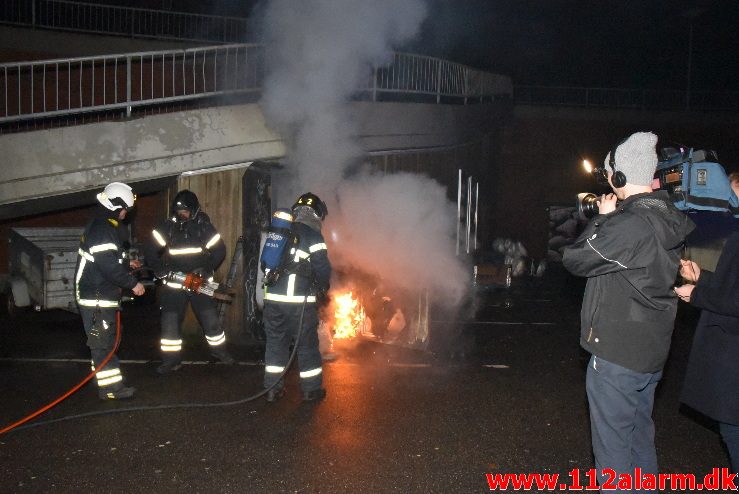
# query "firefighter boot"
(274, 394)
(169, 365)
(223, 355)
(120, 393)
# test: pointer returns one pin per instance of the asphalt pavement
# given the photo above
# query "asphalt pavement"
(502, 392)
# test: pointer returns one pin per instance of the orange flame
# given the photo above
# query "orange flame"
(349, 316)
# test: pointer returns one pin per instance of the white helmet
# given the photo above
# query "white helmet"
(116, 196)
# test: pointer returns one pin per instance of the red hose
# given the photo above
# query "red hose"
(78, 386)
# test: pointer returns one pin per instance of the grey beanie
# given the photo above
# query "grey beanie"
(636, 157)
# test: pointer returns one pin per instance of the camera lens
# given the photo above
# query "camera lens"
(587, 205)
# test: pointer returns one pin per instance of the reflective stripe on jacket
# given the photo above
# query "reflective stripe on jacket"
(302, 285)
(194, 245)
(101, 270)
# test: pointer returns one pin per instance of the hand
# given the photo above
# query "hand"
(684, 292)
(138, 290)
(689, 270)
(135, 264)
(607, 203)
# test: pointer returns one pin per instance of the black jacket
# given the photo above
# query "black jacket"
(631, 260)
(310, 272)
(101, 268)
(193, 245)
(712, 378)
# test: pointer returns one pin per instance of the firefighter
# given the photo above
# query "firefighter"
(187, 242)
(100, 276)
(302, 286)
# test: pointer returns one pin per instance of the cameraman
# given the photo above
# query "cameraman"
(630, 253)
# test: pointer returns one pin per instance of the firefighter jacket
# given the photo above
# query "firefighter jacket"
(308, 272)
(186, 246)
(631, 258)
(102, 271)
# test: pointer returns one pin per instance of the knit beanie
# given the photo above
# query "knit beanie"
(636, 157)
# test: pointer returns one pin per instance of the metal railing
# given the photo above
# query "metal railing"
(123, 21)
(642, 99)
(49, 88)
(63, 87)
(417, 74)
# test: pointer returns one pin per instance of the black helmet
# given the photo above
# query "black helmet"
(314, 202)
(186, 200)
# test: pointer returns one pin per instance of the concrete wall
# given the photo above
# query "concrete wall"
(61, 162)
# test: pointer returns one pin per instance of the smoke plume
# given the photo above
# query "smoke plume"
(394, 227)
(399, 228)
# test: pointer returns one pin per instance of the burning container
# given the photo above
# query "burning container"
(42, 265)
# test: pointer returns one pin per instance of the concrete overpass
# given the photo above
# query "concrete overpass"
(49, 169)
(430, 107)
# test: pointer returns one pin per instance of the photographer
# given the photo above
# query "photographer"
(630, 253)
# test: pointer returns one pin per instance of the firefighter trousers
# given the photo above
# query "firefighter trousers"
(100, 328)
(281, 329)
(173, 306)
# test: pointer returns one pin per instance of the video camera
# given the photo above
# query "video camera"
(692, 177)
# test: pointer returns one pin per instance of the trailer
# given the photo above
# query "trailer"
(42, 266)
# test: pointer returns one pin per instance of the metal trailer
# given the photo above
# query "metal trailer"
(42, 267)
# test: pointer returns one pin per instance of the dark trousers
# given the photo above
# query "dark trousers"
(621, 402)
(173, 306)
(100, 328)
(281, 322)
(730, 435)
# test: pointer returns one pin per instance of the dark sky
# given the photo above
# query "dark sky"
(608, 43)
(605, 43)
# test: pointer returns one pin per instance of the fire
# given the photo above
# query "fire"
(349, 316)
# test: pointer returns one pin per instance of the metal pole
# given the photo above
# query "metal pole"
(459, 205)
(690, 66)
(438, 81)
(477, 203)
(128, 87)
(469, 213)
(374, 84)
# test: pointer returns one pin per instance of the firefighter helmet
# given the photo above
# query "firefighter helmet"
(314, 202)
(117, 195)
(186, 200)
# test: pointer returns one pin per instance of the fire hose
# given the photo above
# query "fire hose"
(74, 389)
(18, 425)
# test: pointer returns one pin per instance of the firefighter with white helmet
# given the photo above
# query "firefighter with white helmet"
(187, 242)
(102, 272)
(303, 284)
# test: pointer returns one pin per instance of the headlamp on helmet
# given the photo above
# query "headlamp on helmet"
(186, 200)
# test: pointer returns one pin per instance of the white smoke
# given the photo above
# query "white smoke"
(319, 53)
(397, 227)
